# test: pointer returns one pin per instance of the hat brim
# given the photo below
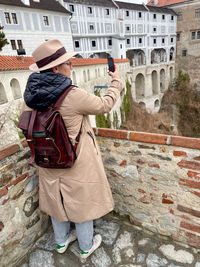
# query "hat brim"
(54, 63)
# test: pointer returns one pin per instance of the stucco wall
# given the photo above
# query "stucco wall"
(154, 180)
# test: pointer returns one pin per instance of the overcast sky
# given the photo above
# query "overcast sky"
(134, 1)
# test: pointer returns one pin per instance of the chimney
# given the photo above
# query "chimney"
(26, 2)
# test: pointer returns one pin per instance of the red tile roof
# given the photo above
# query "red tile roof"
(15, 62)
(22, 63)
(160, 3)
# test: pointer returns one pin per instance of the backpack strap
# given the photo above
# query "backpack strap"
(29, 135)
(61, 98)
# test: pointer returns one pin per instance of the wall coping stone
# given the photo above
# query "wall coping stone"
(153, 138)
(144, 137)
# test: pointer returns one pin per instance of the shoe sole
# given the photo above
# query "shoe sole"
(62, 250)
(85, 256)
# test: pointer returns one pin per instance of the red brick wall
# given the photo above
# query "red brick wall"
(155, 180)
(21, 221)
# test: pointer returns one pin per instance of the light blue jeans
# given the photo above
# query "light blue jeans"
(84, 232)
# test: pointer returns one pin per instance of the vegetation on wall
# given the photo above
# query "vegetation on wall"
(126, 104)
(104, 121)
(3, 40)
(20, 134)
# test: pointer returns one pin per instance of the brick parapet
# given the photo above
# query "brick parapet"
(179, 141)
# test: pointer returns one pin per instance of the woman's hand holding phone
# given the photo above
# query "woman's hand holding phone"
(112, 69)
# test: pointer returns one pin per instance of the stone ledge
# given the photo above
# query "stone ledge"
(161, 139)
(8, 151)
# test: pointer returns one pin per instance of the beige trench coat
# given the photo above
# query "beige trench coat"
(84, 187)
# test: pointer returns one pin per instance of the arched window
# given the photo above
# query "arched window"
(3, 97)
(88, 74)
(162, 80)
(15, 87)
(154, 77)
(74, 77)
(84, 76)
(156, 103)
(140, 86)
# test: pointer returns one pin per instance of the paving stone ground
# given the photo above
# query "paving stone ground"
(124, 245)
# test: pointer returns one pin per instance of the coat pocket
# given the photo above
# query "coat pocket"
(93, 139)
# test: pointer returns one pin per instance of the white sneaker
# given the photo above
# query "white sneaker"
(96, 243)
(72, 237)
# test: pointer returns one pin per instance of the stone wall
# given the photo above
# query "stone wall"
(154, 180)
(21, 222)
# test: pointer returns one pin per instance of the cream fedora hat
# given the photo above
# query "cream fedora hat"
(49, 54)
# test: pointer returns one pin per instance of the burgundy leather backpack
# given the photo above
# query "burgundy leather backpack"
(47, 136)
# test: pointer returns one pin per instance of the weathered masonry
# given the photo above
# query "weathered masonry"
(154, 180)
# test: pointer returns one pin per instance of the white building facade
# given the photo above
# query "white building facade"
(29, 23)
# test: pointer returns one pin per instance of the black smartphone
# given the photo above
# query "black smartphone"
(111, 64)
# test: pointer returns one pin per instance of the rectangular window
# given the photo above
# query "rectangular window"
(14, 18)
(93, 43)
(71, 8)
(120, 46)
(154, 41)
(178, 37)
(7, 17)
(19, 43)
(163, 40)
(91, 27)
(193, 35)
(197, 13)
(184, 53)
(128, 41)
(154, 16)
(163, 17)
(89, 10)
(139, 14)
(127, 28)
(179, 15)
(172, 40)
(76, 43)
(46, 20)
(109, 42)
(154, 29)
(13, 44)
(127, 13)
(140, 40)
(107, 11)
(172, 17)
(198, 35)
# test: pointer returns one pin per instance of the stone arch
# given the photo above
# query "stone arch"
(3, 97)
(140, 86)
(15, 88)
(158, 55)
(171, 54)
(154, 78)
(156, 103)
(78, 56)
(84, 76)
(171, 73)
(142, 104)
(136, 57)
(162, 80)
(74, 77)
